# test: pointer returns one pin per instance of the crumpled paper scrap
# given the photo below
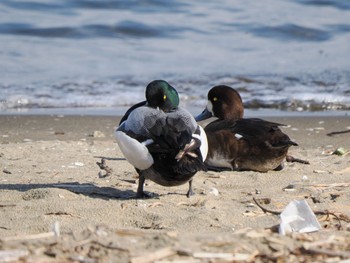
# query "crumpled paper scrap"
(298, 217)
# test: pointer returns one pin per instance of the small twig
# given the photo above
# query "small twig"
(110, 246)
(328, 213)
(154, 256)
(292, 159)
(30, 237)
(265, 210)
(7, 205)
(337, 132)
(104, 167)
(328, 252)
(60, 213)
(12, 255)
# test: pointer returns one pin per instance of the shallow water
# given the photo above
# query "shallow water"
(284, 55)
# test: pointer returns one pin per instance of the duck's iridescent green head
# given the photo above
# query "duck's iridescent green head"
(160, 94)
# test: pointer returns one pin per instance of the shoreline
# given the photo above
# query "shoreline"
(119, 111)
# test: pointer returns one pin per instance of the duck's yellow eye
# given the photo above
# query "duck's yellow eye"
(164, 98)
(215, 99)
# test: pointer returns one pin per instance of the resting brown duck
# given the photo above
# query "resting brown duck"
(237, 143)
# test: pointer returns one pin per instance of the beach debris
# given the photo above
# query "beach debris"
(155, 204)
(289, 188)
(214, 191)
(61, 213)
(320, 171)
(142, 246)
(341, 151)
(265, 210)
(103, 166)
(78, 164)
(325, 187)
(292, 159)
(58, 133)
(154, 255)
(30, 237)
(10, 205)
(56, 228)
(298, 217)
(12, 255)
(97, 134)
(315, 199)
(5, 171)
(249, 213)
(336, 215)
(338, 132)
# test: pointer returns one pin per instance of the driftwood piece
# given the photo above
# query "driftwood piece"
(337, 132)
(103, 166)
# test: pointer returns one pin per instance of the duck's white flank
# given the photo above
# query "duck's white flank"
(135, 152)
(219, 161)
(204, 143)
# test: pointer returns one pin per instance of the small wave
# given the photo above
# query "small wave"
(286, 32)
(65, 7)
(339, 4)
(125, 28)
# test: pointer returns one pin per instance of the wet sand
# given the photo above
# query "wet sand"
(49, 177)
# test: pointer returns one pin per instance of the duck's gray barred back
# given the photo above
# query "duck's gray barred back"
(142, 119)
(181, 120)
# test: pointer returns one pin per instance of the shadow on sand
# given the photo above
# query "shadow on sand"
(87, 189)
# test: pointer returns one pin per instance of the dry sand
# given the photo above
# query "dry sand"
(49, 177)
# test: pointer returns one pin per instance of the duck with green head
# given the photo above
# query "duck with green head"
(162, 140)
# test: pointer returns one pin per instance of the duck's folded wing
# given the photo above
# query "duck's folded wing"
(126, 115)
(256, 127)
(245, 127)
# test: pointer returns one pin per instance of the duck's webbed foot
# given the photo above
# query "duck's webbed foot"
(140, 194)
(190, 191)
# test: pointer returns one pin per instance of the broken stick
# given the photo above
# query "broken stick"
(103, 166)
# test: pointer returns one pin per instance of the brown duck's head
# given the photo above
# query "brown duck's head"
(224, 102)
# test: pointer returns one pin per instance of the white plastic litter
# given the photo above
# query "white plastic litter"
(298, 217)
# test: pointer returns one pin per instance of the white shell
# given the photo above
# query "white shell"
(135, 152)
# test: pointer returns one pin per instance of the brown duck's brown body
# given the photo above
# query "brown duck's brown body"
(239, 143)
(247, 144)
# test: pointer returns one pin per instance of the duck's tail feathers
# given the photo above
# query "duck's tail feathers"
(284, 144)
(189, 164)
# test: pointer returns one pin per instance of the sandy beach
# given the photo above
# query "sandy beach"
(56, 206)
